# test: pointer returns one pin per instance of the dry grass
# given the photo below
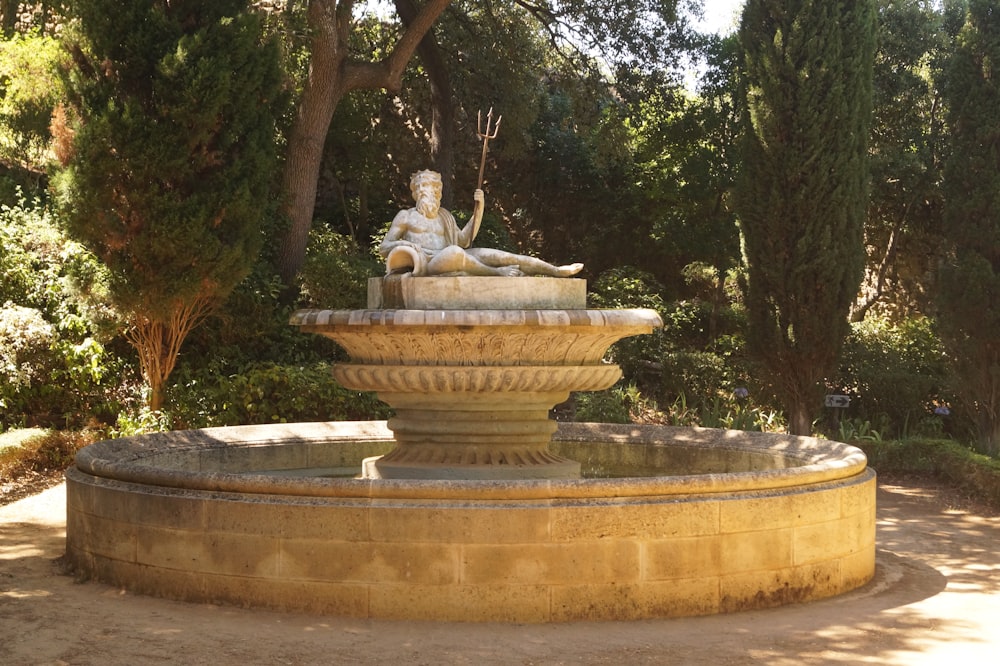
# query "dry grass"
(34, 459)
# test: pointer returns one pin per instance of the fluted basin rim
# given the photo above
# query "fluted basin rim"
(135, 460)
(637, 317)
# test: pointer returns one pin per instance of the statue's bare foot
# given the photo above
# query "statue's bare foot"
(568, 270)
(509, 271)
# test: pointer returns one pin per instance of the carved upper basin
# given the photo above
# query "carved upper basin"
(476, 337)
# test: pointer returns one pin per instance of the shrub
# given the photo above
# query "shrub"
(46, 379)
(25, 346)
(28, 96)
(948, 460)
(895, 374)
(25, 451)
(696, 360)
(55, 368)
(611, 406)
(267, 393)
(335, 273)
(629, 287)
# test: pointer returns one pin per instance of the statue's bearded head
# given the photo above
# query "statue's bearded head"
(425, 186)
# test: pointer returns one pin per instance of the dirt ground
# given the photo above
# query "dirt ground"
(935, 600)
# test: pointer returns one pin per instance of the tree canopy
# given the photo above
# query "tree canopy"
(969, 293)
(169, 150)
(620, 147)
(803, 187)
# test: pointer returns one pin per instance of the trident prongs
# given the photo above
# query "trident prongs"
(486, 135)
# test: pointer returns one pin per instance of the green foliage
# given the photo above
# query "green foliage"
(29, 92)
(42, 269)
(735, 413)
(25, 359)
(904, 212)
(602, 407)
(633, 33)
(685, 164)
(55, 368)
(47, 378)
(172, 159)
(335, 273)
(948, 460)
(267, 393)
(169, 177)
(626, 404)
(140, 421)
(694, 359)
(622, 403)
(969, 284)
(629, 287)
(856, 430)
(802, 193)
(895, 374)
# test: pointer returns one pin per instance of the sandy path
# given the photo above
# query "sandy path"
(935, 600)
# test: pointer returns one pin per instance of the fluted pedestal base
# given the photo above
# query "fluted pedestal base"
(472, 436)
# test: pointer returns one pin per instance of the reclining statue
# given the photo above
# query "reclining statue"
(425, 240)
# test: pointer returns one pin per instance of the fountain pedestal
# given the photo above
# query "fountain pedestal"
(472, 372)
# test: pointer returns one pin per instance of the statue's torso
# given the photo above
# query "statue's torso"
(429, 233)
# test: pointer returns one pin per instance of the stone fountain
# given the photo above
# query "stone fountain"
(471, 373)
(470, 504)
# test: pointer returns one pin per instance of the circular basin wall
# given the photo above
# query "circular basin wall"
(669, 522)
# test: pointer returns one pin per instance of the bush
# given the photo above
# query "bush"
(252, 327)
(945, 459)
(335, 273)
(37, 450)
(896, 374)
(28, 97)
(611, 406)
(267, 393)
(25, 345)
(699, 376)
(26, 359)
(629, 287)
(692, 365)
(55, 368)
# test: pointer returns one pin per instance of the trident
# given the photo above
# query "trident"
(490, 133)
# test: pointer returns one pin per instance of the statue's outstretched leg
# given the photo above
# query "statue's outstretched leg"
(454, 259)
(527, 265)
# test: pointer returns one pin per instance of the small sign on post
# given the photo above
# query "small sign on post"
(838, 401)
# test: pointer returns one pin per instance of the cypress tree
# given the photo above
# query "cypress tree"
(167, 174)
(803, 190)
(969, 279)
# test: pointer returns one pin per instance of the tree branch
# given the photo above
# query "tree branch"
(388, 73)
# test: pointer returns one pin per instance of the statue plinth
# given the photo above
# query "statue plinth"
(404, 292)
(472, 388)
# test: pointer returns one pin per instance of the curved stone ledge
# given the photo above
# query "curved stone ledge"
(211, 459)
(771, 520)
